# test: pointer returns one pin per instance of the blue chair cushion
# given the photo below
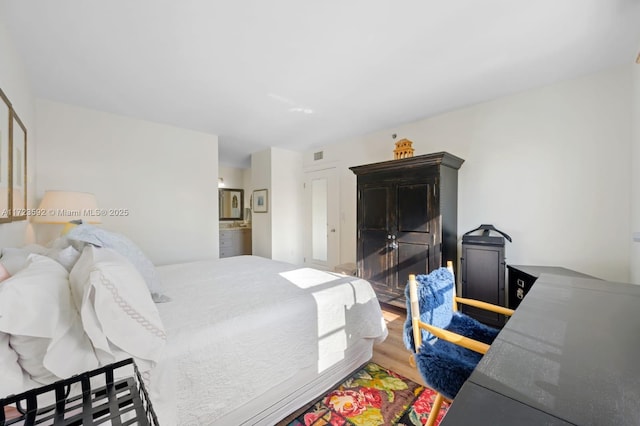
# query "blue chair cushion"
(445, 366)
(472, 328)
(435, 295)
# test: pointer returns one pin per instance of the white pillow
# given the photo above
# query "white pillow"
(100, 237)
(31, 354)
(117, 311)
(44, 328)
(12, 375)
(15, 259)
(67, 256)
(14, 379)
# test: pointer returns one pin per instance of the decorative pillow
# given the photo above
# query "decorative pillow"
(102, 238)
(44, 328)
(117, 312)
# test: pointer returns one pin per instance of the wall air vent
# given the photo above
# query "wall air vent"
(318, 155)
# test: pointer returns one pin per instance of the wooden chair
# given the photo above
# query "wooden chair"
(447, 344)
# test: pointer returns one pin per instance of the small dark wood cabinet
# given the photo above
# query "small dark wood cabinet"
(407, 217)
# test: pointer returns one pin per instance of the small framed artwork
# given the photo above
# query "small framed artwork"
(5, 155)
(19, 166)
(260, 201)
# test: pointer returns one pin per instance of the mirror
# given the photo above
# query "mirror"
(231, 204)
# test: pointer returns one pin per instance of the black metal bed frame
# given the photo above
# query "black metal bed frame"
(122, 401)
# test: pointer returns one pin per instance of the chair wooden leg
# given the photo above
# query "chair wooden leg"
(435, 410)
(412, 361)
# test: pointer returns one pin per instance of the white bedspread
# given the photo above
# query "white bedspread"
(244, 332)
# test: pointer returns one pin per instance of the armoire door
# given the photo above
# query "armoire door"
(414, 236)
(373, 229)
(396, 235)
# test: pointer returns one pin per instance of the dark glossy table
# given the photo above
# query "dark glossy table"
(569, 355)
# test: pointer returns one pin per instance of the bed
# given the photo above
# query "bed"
(240, 340)
(250, 340)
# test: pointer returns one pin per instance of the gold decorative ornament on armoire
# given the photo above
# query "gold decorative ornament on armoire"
(403, 149)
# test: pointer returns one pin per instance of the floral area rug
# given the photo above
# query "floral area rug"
(372, 396)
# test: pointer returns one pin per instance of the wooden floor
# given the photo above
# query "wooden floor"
(392, 353)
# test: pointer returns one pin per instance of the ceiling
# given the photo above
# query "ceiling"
(299, 74)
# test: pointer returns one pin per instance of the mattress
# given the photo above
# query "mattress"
(250, 340)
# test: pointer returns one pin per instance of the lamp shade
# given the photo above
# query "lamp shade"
(65, 206)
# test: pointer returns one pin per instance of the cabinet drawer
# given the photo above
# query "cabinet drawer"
(226, 243)
(235, 242)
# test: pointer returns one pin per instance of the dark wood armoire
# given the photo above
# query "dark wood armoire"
(407, 220)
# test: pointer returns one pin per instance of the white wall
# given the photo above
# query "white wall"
(247, 185)
(14, 84)
(261, 222)
(548, 166)
(286, 204)
(233, 177)
(166, 176)
(277, 234)
(635, 179)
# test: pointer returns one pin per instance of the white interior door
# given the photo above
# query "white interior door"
(322, 236)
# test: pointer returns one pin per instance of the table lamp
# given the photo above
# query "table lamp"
(61, 207)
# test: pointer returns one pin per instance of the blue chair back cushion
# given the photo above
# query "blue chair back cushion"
(435, 294)
(444, 366)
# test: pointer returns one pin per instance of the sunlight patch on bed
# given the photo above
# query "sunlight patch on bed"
(333, 336)
(308, 277)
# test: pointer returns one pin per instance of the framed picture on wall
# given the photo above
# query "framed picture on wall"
(19, 166)
(260, 201)
(5, 155)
